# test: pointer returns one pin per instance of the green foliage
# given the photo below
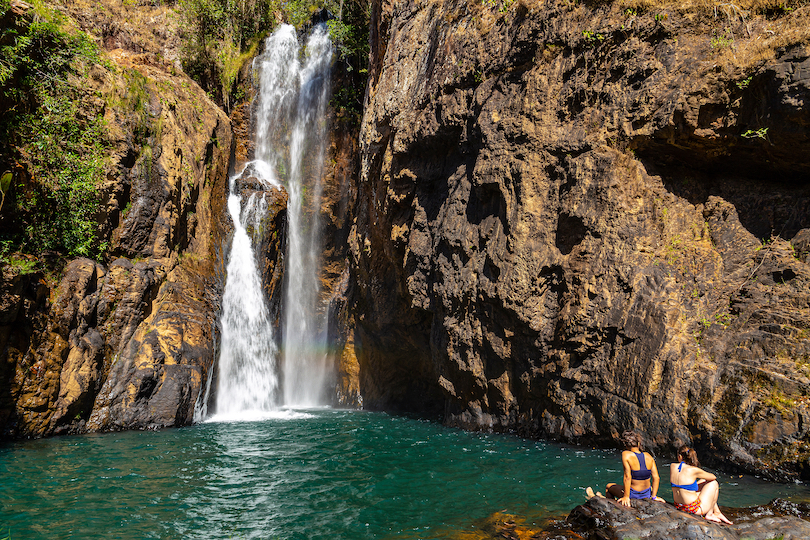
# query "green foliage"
(5, 186)
(134, 104)
(720, 41)
(592, 38)
(221, 35)
(298, 12)
(779, 401)
(349, 34)
(502, 8)
(349, 101)
(18, 264)
(218, 34)
(743, 84)
(506, 5)
(761, 133)
(61, 140)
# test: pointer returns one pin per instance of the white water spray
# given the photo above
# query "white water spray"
(290, 145)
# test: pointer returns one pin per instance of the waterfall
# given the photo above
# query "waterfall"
(247, 380)
(290, 145)
(305, 361)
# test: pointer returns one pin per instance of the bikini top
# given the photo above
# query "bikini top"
(643, 473)
(689, 487)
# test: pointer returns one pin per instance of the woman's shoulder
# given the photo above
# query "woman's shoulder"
(684, 467)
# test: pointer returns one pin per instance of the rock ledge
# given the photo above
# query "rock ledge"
(604, 519)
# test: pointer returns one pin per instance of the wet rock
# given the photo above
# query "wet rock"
(605, 519)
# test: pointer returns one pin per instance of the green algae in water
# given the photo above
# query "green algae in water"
(318, 474)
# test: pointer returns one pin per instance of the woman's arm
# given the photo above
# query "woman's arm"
(700, 474)
(625, 500)
(656, 480)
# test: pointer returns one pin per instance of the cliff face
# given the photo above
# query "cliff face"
(570, 220)
(576, 219)
(131, 343)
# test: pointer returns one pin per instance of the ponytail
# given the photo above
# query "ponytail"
(688, 456)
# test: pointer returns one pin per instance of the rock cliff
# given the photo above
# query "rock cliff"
(129, 343)
(579, 218)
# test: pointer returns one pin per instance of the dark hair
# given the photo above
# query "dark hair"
(688, 456)
(630, 439)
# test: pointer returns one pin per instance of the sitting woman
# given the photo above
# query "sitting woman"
(695, 491)
(639, 469)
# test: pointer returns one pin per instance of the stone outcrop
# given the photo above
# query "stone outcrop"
(603, 519)
(575, 219)
(129, 343)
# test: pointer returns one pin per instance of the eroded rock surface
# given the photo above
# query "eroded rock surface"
(130, 343)
(605, 519)
(576, 219)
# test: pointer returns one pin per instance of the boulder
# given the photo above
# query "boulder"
(605, 519)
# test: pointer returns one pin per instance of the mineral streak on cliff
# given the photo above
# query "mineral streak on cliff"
(578, 218)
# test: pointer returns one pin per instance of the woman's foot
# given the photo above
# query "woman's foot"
(718, 517)
(590, 494)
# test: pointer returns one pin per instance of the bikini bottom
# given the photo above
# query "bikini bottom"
(645, 494)
(691, 508)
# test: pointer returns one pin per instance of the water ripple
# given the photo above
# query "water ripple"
(317, 474)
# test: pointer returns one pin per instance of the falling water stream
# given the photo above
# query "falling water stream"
(305, 363)
(290, 145)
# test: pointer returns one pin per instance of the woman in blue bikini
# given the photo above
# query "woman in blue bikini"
(640, 473)
(695, 491)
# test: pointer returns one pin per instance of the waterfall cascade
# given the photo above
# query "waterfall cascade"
(305, 369)
(290, 145)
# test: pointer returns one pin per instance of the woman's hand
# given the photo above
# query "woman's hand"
(625, 500)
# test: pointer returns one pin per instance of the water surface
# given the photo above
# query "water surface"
(315, 474)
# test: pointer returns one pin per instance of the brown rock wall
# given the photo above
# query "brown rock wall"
(129, 342)
(565, 218)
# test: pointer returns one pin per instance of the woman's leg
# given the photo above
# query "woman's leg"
(709, 493)
(614, 490)
(708, 500)
(720, 515)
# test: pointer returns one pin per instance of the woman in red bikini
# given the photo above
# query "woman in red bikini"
(695, 491)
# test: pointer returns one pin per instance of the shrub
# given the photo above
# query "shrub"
(221, 35)
(48, 128)
(218, 38)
